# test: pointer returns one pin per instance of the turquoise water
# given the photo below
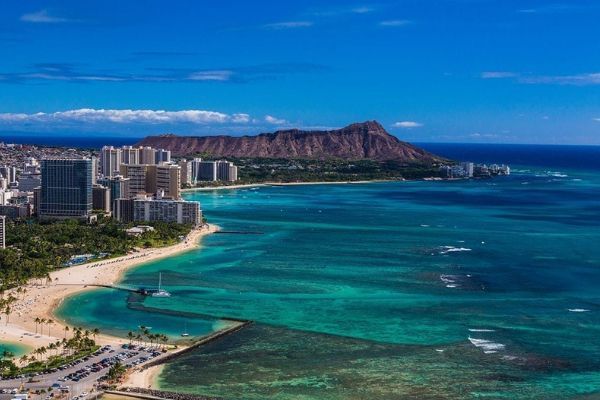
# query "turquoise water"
(467, 289)
(15, 348)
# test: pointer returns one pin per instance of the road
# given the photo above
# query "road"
(80, 378)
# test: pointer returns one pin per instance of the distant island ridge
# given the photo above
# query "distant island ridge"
(358, 141)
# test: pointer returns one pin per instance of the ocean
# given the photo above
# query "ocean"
(429, 290)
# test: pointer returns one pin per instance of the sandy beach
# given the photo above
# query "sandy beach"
(146, 378)
(254, 185)
(42, 298)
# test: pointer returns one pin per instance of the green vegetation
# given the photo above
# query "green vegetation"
(257, 170)
(144, 334)
(116, 372)
(64, 351)
(34, 249)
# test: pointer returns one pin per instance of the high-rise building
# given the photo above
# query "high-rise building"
(179, 211)
(94, 169)
(136, 173)
(101, 198)
(110, 160)
(207, 171)
(162, 156)
(186, 172)
(147, 179)
(147, 155)
(226, 171)
(9, 173)
(66, 188)
(168, 178)
(118, 185)
(130, 155)
(123, 210)
(468, 167)
(2, 232)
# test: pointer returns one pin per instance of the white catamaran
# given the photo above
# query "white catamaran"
(160, 292)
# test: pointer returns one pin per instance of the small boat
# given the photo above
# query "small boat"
(185, 333)
(160, 292)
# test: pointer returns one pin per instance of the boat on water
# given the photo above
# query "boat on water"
(185, 332)
(160, 292)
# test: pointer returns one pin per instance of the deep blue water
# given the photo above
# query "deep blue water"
(550, 156)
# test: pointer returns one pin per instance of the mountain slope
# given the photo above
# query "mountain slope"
(367, 140)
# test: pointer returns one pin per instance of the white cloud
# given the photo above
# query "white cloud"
(576, 80)
(362, 10)
(395, 22)
(217, 75)
(89, 115)
(585, 79)
(240, 118)
(483, 135)
(407, 124)
(275, 121)
(288, 25)
(43, 17)
(498, 75)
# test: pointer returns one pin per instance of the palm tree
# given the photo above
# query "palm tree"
(7, 354)
(66, 330)
(95, 332)
(37, 321)
(130, 336)
(23, 359)
(49, 322)
(164, 339)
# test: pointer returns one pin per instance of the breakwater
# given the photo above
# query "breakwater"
(151, 394)
(203, 341)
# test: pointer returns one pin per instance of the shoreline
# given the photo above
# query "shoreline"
(268, 184)
(41, 301)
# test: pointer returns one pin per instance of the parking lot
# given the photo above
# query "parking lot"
(78, 379)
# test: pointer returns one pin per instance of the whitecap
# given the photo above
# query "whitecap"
(481, 330)
(559, 175)
(487, 346)
(439, 350)
(451, 286)
(448, 278)
(452, 249)
(578, 310)
(424, 226)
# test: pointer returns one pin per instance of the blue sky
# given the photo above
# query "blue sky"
(444, 71)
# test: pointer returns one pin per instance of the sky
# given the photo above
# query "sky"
(493, 71)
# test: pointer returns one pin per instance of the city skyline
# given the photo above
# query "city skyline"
(434, 71)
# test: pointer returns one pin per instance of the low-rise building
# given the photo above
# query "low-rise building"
(139, 230)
